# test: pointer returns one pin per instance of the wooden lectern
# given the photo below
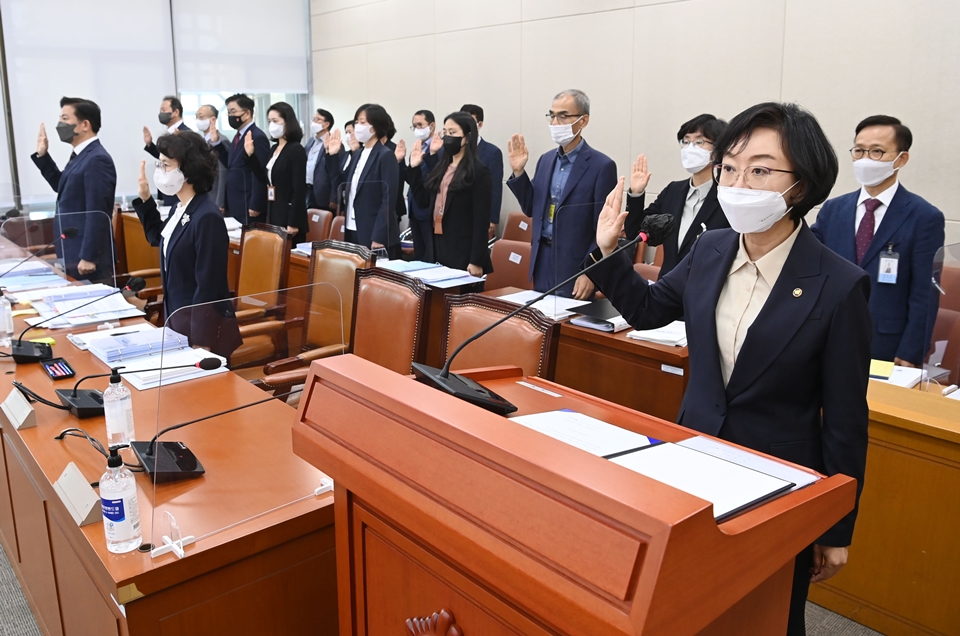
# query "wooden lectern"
(453, 521)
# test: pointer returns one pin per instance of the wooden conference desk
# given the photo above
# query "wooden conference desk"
(247, 574)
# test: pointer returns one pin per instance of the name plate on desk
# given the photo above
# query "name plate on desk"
(78, 496)
(19, 412)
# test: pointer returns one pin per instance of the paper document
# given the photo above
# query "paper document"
(151, 379)
(108, 308)
(439, 273)
(82, 340)
(730, 487)
(881, 369)
(397, 265)
(674, 334)
(454, 282)
(555, 307)
(232, 223)
(800, 478)
(56, 293)
(907, 377)
(586, 433)
(10, 267)
(123, 346)
(16, 284)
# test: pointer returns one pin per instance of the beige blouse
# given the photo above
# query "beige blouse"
(442, 199)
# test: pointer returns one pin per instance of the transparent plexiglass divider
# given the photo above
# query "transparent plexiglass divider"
(573, 236)
(935, 377)
(369, 210)
(84, 244)
(218, 454)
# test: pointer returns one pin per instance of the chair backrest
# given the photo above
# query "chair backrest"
(658, 257)
(336, 263)
(641, 251)
(119, 242)
(528, 340)
(318, 222)
(950, 282)
(336, 229)
(264, 259)
(519, 227)
(389, 318)
(511, 265)
(650, 272)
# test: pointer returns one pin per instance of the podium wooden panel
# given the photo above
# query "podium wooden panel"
(441, 505)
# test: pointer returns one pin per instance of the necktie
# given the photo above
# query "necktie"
(73, 156)
(236, 140)
(865, 231)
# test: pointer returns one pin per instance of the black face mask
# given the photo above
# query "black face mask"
(452, 145)
(66, 131)
(165, 118)
(235, 122)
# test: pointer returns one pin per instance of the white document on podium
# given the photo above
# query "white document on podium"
(800, 478)
(586, 433)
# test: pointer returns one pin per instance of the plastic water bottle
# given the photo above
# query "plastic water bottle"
(118, 502)
(118, 410)
(6, 321)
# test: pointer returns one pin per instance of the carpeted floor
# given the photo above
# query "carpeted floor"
(16, 619)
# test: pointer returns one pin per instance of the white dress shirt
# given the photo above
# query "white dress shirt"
(351, 223)
(173, 128)
(313, 156)
(695, 198)
(171, 225)
(884, 198)
(83, 144)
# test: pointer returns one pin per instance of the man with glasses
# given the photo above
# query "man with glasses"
(565, 197)
(320, 193)
(246, 196)
(207, 116)
(692, 201)
(884, 227)
(424, 126)
(171, 116)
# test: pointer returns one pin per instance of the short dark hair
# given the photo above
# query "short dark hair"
(706, 124)
(174, 103)
(84, 109)
(473, 109)
(902, 133)
(427, 115)
(350, 123)
(811, 156)
(242, 101)
(377, 117)
(292, 131)
(213, 109)
(197, 161)
(327, 115)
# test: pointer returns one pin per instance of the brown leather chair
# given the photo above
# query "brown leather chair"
(528, 340)
(658, 257)
(947, 328)
(519, 227)
(650, 272)
(319, 222)
(508, 271)
(378, 293)
(336, 229)
(950, 282)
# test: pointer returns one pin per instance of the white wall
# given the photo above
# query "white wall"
(649, 65)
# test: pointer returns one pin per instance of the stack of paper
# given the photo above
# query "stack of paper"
(19, 267)
(674, 334)
(135, 371)
(82, 340)
(444, 277)
(303, 249)
(234, 227)
(586, 433)
(886, 371)
(405, 267)
(118, 347)
(555, 307)
(109, 308)
(19, 283)
(56, 292)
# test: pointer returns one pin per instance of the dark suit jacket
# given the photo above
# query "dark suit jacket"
(492, 158)
(671, 201)
(902, 319)
(799, 387)
(375, 201)
(322, 193)
(465, 219)
(399, 205)
(87, 183)
(290, 179)
(591, 179)
(244, 191)
(151, 148)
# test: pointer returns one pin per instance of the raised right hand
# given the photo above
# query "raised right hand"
(143, 186)
(610, 223)
(248, 146)
(214, 134)
(333, 143)
(416, 154)
(639, 177)
(401, 151)
(436, 143)
(42, 142)
(147, 136)
(518, 154)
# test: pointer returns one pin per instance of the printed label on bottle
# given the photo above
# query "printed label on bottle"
(117, 526)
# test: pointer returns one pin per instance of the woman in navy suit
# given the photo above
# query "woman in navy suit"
(193, 243)
(368, 187)
(778, 325)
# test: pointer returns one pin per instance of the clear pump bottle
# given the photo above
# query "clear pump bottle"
(118, 502)
(118, 411)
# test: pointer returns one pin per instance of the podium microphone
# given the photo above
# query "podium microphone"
(654, 230)
(68, 233)
(24, 352)
(89, 402)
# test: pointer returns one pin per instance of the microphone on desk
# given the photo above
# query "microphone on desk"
(24, 352)
(12, 213)
(654, 230)
(173, 461)
(68, 233)
(89, 402)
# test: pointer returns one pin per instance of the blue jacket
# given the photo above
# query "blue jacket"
(244, 191)
(902, 319)
(322, 193)
(492, 158)
(87, 183)
(799, 387)
(591, 179)
(154, 152)
(376, 197)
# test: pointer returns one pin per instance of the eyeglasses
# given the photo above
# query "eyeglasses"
(755, 177)
(874, 153)
(562, 118)
(164, 167)
(696, 142)
(415, 127)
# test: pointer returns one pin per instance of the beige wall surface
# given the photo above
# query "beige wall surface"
(649, 65)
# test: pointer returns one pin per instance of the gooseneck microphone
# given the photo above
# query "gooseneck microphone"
(654, 230)
(89, 402)
(24, 352)
(68, 233)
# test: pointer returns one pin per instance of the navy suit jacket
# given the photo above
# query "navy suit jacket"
(799, 387)
(671, 201)
(154, 152)
(87, 183)
(902, 318)
(244, 191)
(323, 193)
(591, 179)
(492, 158)
(376, 198)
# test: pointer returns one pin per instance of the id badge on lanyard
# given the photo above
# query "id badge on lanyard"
(888, 266)
(271, 193)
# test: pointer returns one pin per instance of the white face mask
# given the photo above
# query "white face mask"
(750, 211)
(563, 134)
(694, 158)
(422, 133)
(170, 182)
(275, 130)
(363, 132)
(870, 172)
(315, 128)
(203, 125)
